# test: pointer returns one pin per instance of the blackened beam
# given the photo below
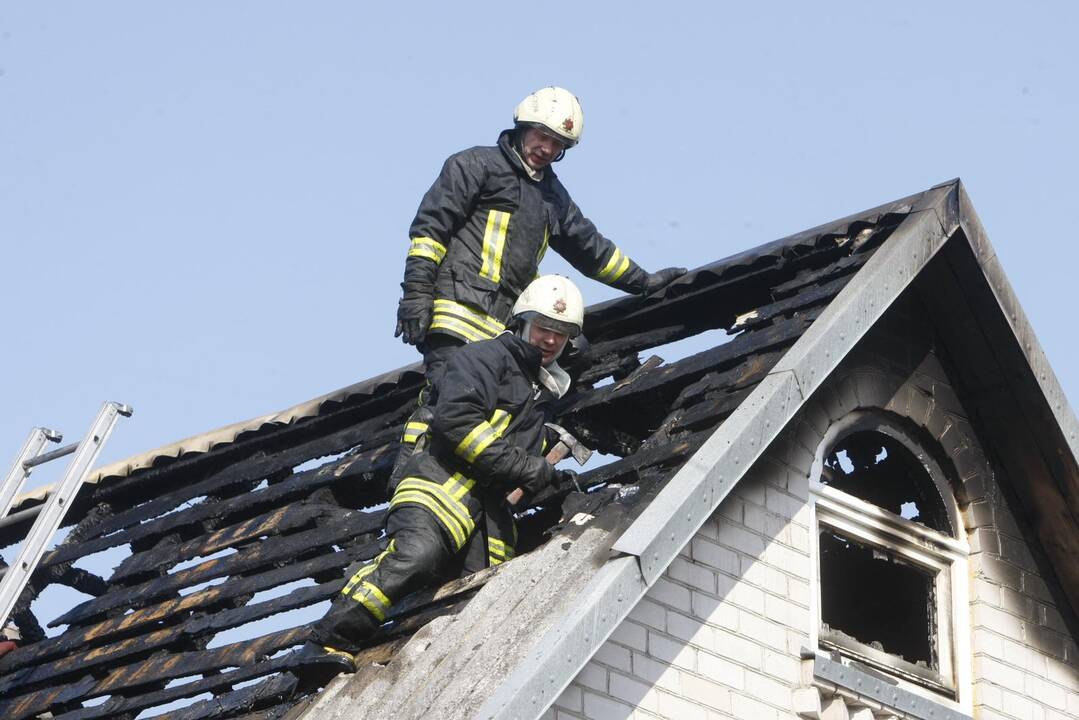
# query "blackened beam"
(266, 693)
(275, 550)
(162, 669)
(77, 639)
(687, 370)
(295, 487)
(245, 659)
(279, 521)
(245, 655)
(729, 282)
(240, 474)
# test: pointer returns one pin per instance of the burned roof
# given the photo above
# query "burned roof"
(265, 517)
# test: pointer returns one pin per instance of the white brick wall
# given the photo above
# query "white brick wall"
(718, 635)
(711, 639)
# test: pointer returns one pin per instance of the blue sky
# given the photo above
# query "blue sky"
(204, 206)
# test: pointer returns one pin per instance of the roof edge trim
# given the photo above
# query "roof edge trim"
(1020, 325)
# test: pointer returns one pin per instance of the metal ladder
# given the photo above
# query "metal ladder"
(59, 498)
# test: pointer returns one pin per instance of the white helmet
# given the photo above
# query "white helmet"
(555, 109)
(556, 300)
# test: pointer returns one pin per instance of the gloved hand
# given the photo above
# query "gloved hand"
(662, 278)
(413, 318)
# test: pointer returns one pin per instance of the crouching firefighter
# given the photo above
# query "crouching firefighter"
(449, 515)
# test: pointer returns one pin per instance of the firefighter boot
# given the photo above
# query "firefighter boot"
(315, 665)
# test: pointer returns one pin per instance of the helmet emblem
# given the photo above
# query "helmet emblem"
(567, 124)
(559, 306)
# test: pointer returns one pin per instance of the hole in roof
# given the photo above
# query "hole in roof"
(679, 349)
(94, 702)
(202, 586)
(182, 680)
(285, 651)
(319, 461)
(104, 561)
(261, 486)
(54, 601)
(274, 623)
(252, 681)
(878, 469)
(199, 559)
(597, 460)
(174, 705)
(182, 506)
(280, 590)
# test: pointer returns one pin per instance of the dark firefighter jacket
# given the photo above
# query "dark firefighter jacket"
(481, 231)
(487, 435)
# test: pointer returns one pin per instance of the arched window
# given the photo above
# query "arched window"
(890, 557)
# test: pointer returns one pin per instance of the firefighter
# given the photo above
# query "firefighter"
(482, 229)
(449, 514)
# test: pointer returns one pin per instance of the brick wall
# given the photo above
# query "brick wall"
(718, 636)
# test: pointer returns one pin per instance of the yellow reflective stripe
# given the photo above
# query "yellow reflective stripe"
(373, 599)
(498, 552)
(481, 436)
(450, 511)
(494, 243)
(500, 420)
(367, 569)
(456, 326)
(611, 266)
(419, 498)
(413, 430)
(458, 485)
(476, 441)
(481, 321)
(428, 248)
(543, 247)
(377, 592)
(621, 268)
(499, 547)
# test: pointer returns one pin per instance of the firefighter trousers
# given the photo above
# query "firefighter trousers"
(418, 554)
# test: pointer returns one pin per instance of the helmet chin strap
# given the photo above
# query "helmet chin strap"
(524, 331)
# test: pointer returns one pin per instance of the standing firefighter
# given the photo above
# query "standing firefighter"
(449, 514)
(483, 227)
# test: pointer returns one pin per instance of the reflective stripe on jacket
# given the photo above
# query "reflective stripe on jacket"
(481, 231)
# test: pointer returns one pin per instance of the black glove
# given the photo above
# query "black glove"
(662, 278)
(413, 317)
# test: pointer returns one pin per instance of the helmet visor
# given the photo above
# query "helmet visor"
(559, 326)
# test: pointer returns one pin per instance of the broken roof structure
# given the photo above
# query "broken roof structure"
(215, 524)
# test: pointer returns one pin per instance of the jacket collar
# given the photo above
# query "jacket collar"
(506, 142)
(528, 356)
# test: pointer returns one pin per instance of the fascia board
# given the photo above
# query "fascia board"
(1020, 326)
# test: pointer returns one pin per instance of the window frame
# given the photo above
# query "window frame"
(914, 544)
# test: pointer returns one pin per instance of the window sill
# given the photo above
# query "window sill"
(829, 682)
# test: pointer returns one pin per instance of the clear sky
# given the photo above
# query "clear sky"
(204, 205)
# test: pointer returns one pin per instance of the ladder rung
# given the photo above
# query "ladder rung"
(51, 455)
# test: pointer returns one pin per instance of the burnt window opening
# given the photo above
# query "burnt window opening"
(878, 469)
(879, 600)
(890, 567)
